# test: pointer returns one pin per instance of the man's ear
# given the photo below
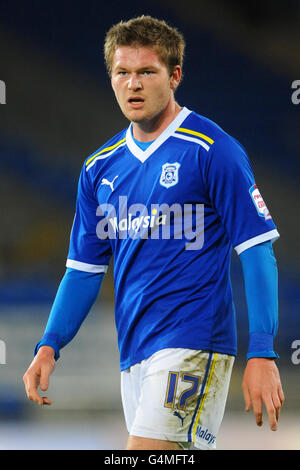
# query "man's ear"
(175, 77)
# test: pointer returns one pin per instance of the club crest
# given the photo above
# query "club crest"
(169, 174)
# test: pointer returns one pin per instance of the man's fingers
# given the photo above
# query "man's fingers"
(31, 388)
(37, 377)
(33, 395)
(273, 403)
(278, 400)
(262, 383)
(257, 409)
(46, 401)
(277, 411)
(247, 398)
(44, 386)
(272, 413)
(44, 379)
(281, 394)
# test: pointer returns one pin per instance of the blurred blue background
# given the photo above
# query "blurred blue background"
(241, 59)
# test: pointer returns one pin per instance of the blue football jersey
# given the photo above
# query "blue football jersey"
(170, 216)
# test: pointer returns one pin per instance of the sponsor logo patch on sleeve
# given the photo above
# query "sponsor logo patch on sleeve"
(259, 202)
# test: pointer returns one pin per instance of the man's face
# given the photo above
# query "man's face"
(141, 82)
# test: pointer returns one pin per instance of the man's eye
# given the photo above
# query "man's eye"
(148, 72)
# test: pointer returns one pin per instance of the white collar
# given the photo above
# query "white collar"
(142, 155)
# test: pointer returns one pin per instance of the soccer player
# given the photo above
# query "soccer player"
(168, 198)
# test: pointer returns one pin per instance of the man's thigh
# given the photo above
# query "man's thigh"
(177, 395)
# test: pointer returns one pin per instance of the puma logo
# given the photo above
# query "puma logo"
(109, 183)
(182, 418)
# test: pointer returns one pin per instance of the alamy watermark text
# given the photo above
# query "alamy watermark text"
(2, 92)
(296, 94)
(2, 352)
(159, 221)
(296, 353)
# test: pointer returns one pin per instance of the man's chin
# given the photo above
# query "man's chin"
(136, 116)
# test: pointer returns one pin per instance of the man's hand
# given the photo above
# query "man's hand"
(38, 374)
(262, 385)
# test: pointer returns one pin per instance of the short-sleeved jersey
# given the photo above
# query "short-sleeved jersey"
(170, 216)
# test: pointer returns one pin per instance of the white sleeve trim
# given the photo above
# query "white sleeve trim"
(88, 268)
(272, 235)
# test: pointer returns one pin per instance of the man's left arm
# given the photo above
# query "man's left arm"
(248, 224)
(261, 382)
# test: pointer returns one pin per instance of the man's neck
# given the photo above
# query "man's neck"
(146, 131)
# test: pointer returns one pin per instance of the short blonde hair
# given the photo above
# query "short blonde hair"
(148, 32)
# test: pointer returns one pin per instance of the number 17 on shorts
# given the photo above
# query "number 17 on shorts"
(197, 399)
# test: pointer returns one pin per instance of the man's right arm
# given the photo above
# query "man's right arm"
(76, 294)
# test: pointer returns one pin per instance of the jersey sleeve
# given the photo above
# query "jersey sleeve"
(236, 197)
(86, 251)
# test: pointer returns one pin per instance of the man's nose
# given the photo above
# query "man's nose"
(134, 82)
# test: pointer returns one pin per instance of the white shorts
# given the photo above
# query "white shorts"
(177, 395)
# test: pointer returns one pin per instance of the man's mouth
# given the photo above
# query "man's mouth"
(136, 101)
